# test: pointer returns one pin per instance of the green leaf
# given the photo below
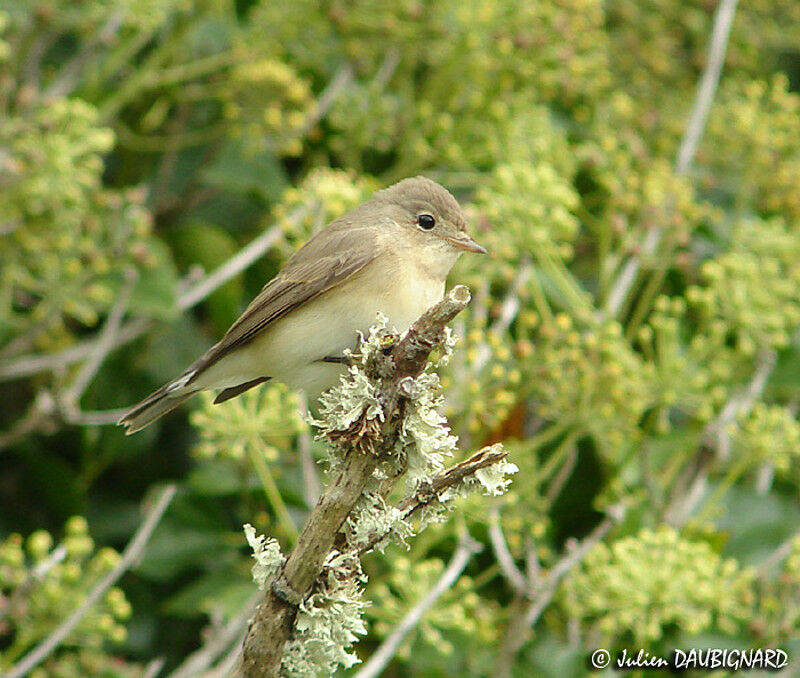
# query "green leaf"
(155, 292)
(208, 245)
(227, 588)
(757, 523)
(214, 478)
(240, 169)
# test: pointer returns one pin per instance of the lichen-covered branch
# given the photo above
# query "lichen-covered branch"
(364, 443)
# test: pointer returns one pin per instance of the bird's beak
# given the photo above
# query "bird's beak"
(463, 242)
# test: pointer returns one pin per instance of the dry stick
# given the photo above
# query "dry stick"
(541, 592)
(328, 96)
(236, 264)
(364, 448)
(47, 406)
(388, 648)
(68, 77)
(26, 366)
(153, 667)
(778, 555)
(205, 656)
(130, 555)
(688, 148)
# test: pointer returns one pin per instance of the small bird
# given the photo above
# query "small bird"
(389, 255)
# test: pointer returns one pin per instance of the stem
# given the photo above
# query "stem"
(258, 454)
(644, 303)
(540, 300)
(559, 455)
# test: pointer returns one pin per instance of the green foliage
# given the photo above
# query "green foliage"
(42, 584)
(459, 616)
(639, 586)
(142, 140)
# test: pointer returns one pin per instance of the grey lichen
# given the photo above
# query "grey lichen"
(267, 554)
(329, 620)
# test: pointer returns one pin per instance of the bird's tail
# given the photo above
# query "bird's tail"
(157, 404)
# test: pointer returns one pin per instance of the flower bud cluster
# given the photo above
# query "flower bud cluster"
(639, 586)
(43, 582)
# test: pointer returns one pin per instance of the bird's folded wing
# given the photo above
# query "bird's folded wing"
(325, 261)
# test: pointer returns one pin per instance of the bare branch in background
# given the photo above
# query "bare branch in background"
(505, 560)
(33, 577)
(133, 551)
(541, 590)
(723, 19)
(104, 345)
(311, 484)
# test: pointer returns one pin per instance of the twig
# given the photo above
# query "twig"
(779, 554)
(716, 433)
(388, 648)
(130, 555)
(432, 491)
(105, 343)
(562, 476)
(328, 96)
(503, 556)
(203, 658)
(154, 667)
(69, 74)
(688, 147)
(508, 311)
(541, 596)
(235, 265)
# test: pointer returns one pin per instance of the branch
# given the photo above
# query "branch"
(236, 264)
(688, 147)
(364, 446)
(505, 560)
(104, 344)
(541, 592)
(388, 648)
(432, 491)
(130, 555)
(32, 579)
(328, 96)
(778, 555)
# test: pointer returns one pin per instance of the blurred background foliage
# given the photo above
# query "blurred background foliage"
(142, 143)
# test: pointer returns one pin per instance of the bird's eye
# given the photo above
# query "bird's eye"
(426, 221)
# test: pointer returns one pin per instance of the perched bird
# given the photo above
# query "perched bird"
(389, 255)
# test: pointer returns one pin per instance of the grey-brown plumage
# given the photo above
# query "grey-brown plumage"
(391, 254)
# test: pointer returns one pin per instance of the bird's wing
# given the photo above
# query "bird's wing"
(328, 259)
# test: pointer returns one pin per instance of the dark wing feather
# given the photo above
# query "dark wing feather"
(328, 259)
